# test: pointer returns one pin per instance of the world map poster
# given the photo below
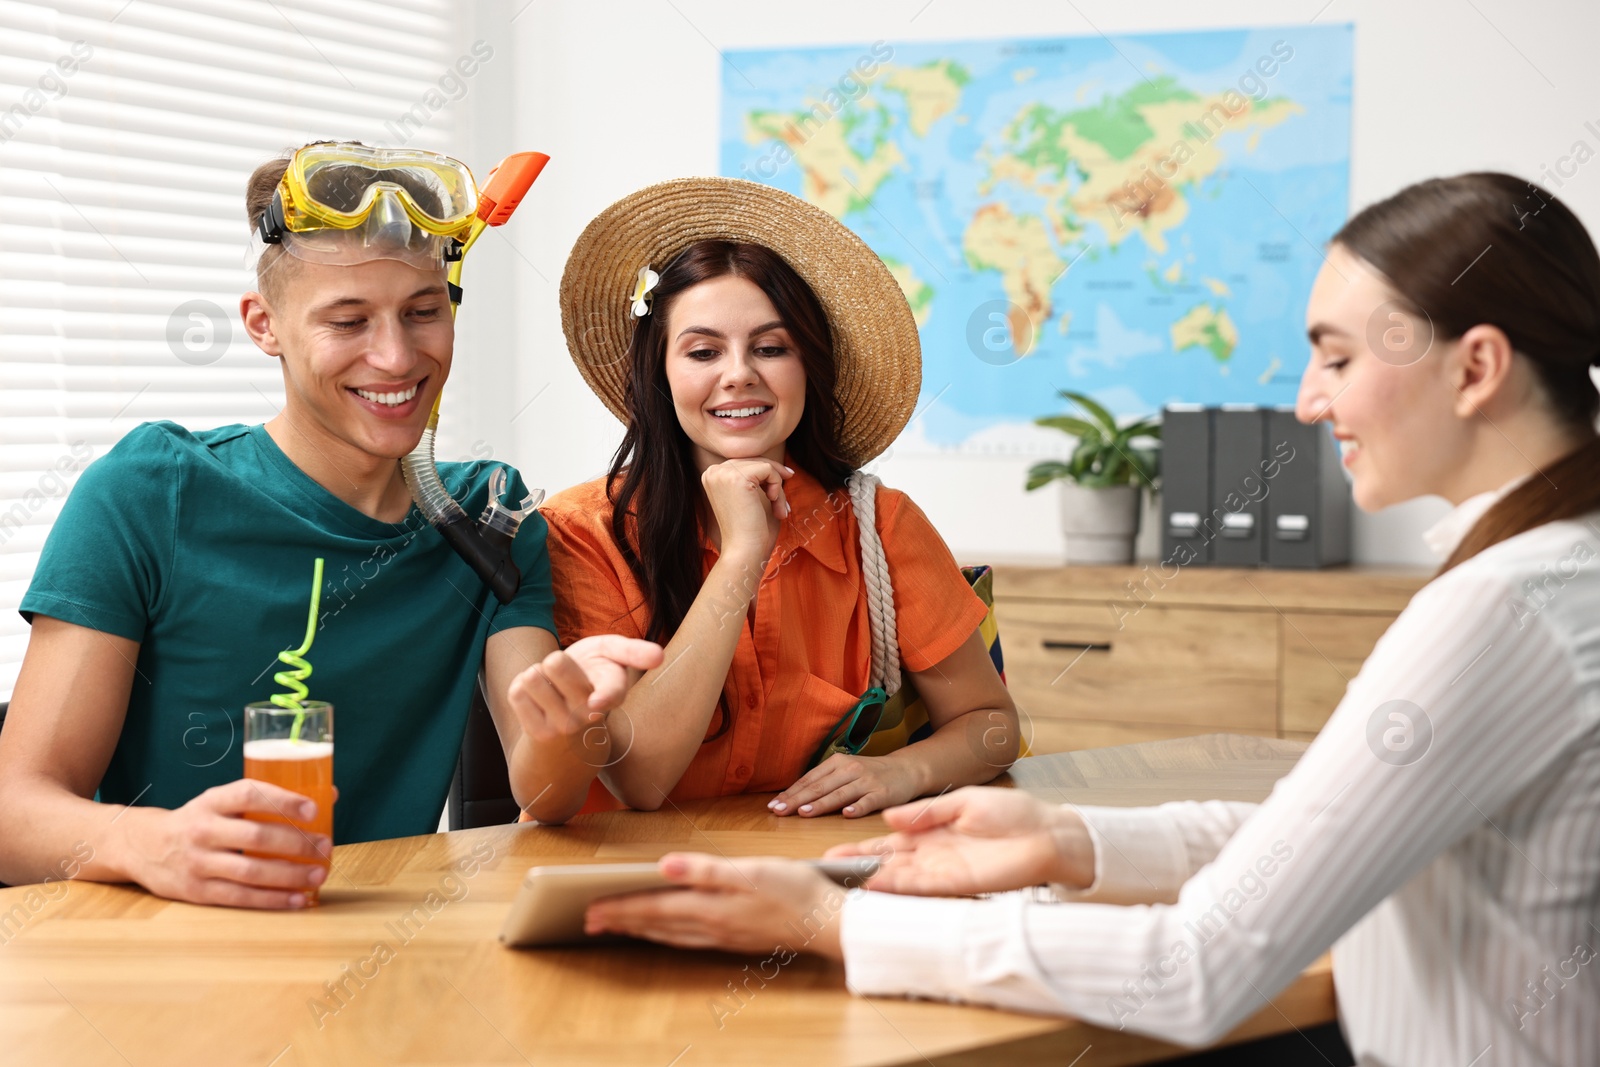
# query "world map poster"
(1139, 218)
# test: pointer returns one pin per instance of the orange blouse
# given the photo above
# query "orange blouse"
(805, 658)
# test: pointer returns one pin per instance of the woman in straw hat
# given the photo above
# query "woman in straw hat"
(759, 354)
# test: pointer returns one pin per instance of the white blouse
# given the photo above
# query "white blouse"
(1441, 834)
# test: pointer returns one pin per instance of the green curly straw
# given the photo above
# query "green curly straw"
(295, 679)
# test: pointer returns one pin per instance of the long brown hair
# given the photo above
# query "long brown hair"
(653, 484)
(1532, 270)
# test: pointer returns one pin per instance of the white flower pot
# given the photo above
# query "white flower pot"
(1099, 525)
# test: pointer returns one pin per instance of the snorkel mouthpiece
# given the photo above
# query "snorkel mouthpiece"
(497, 519)
(487, 547)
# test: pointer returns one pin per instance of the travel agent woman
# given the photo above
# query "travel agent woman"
(1441, 834)
(759, 354)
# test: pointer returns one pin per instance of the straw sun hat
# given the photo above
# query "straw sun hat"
(874, 336)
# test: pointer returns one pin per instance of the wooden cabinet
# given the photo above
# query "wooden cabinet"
(1321, 653)
(1110, 655)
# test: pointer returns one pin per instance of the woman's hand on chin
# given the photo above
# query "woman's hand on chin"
(742, 905)
(856, 785)
(746, 496)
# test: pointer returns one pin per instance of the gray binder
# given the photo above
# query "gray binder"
(1185, 483)
(1308, 499)
(1236, 515)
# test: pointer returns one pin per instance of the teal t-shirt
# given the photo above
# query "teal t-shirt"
(200, 546)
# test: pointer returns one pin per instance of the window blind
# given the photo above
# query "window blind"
(127, 130)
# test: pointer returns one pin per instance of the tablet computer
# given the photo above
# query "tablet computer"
(550, 905)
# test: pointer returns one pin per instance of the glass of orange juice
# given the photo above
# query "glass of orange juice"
(300, 760)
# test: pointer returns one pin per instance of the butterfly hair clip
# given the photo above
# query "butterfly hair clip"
(641, 291)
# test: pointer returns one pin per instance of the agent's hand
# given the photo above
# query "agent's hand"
(743, 905)
(570, 691)
(746, 496)
(977, 840)
(193, 853)
(855, 785)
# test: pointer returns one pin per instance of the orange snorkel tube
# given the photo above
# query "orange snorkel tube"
(486, 544)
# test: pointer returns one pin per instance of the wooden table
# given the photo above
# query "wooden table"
(400, 964)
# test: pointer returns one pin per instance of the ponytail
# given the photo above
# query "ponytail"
(1567, 488)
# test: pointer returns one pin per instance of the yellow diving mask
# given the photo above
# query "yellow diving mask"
(345, 203)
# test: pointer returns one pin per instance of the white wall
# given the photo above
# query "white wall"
(625, 93)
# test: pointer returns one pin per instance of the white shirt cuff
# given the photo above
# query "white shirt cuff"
(1139, 857)
(935, 947)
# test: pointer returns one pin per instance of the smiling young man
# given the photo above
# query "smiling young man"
(178, 569)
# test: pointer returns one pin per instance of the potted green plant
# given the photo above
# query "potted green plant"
(1103, 481)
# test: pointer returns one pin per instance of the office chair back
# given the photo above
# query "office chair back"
(480, 794)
